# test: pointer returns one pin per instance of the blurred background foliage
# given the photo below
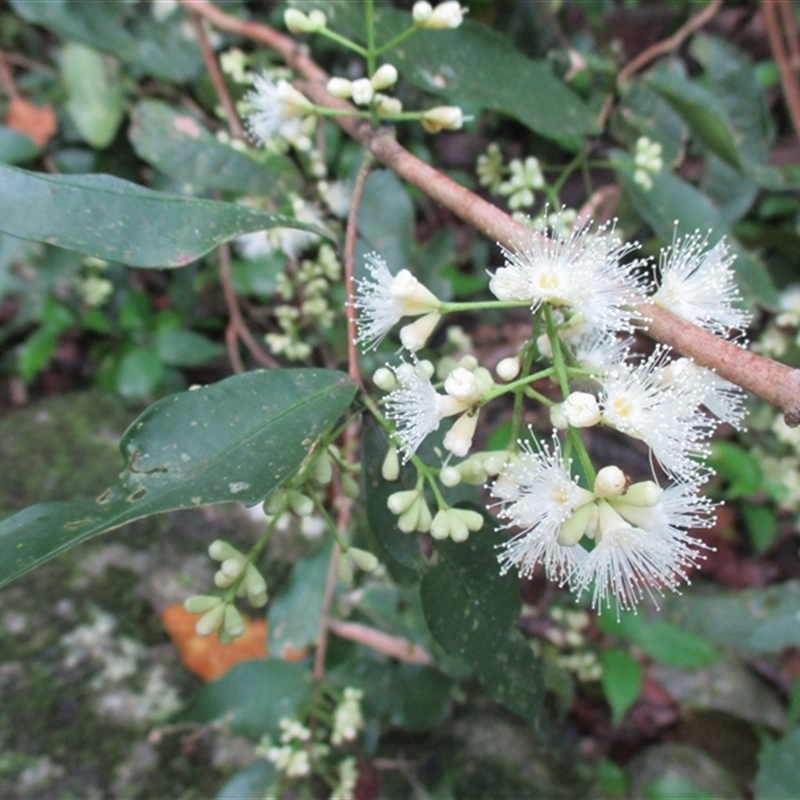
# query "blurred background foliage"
(699, 699)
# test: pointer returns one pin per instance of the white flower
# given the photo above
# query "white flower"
(537, 494)
(582, 270)
(647, 159)
(417, 408)
(362, 91)
(490, 167)
(725, 400)
(525, 177)
(698, 284)
(383, 299)
(595, 349)
(641, 546)
(449, 14)
(348, 778)
(667, 418)
(274, 105)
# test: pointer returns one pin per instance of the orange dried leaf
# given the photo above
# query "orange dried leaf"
(206, 656)
(38, 123)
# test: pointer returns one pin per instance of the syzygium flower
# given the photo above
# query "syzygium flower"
(383, 299)
(583, 270)
(537, 495)
(697, 283)
(274, 105)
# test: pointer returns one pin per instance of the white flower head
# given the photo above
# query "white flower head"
(347, 718)
(581, 410)
(698, 284)
(416, 407)
(583, 270)
(667, 418)
(383, 299)
(537, 494)
(275, 105)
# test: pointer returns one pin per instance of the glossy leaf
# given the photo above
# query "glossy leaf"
(178, 145)
(238, 439)
(754, 620)
(702, 111)
(109, 218)
(95, 95)
(252, 698)
(478, 67)
(472, 610)
(622, 681)
(116, 28)
(15, 147)
(778, 777)
(294, 615)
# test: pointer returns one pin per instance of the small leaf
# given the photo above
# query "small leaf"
(182, 348)
(740, 468)
(140, 372)
(109, 218)
(622, 682)
(252, 698)
(16, 147)
(762, 525)
(237, 440)
(252, 781)
(95, 96)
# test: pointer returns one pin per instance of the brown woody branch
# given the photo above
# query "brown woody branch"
(774, 382)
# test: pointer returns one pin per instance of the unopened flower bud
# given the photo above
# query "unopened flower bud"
(233, 567)
(258, 600)
(323, 469)
(363, 559)
(350, 486)
(427, 367)
(200, 603)
(210, 621)
(301, 504)
(415, 335)
(407, 522)
(581, 410)
(462, 385)
(275, 503)
(298, 23)
(440, 526)
(389, 106)
(344, 570)
(611, 481)
(421, 12)
(223, 581)
(384, 77)
(399, 502)
(450, 477)
(233, 622)
(557, 418)
(458, 439)
(449, 14)
(424, 521)
(293, 102)
(645, 494)
(317, 20)
(340, 87)
(362, 91)
(442, 118)
(384, 379)
(254, 583)
(573, 529)
(390, 469)
(220, 550)
(472, 519)
(508, 368)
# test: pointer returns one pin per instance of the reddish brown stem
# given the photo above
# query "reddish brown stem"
(393, 646)
(7, 78)
(776, 383)
(788, 62)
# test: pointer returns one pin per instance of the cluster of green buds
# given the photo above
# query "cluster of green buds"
(312, 746)
(240, 579)
(569, 637)
(648, 161)
(518, 180)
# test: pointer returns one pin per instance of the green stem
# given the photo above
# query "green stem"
(519, 383)
(253, 554)
(331, 524)
(480, 305)
(344, 41)
(397, 39)
(369, 19)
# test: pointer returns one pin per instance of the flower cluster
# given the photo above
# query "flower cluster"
(606, 535)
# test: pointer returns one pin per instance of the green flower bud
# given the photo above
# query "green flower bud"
(573, 529)
(390, 470)
(449, 476)
(200, 603)
(402, 501)
(210, 621)
(233, 622)
(350, 487)
(645, 494)
(301, 504)
(323, 469)
(233, 567)
(440, 526)
(409, 519)
(220, 550)
(459, 532)
(363, 559)
(472, 519)
(344, 570)
(223, 581)
(275, 503)
(254, 582)
(258, 600)
(424, 521)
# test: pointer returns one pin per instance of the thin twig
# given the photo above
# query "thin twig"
(237, 327)
(349, 264)
(7, 78)
(393, 646)
(217, 78)
(788, 64)
(327, 600)
(776, 383)
(661, 48)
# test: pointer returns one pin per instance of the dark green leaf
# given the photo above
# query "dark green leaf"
(95, 95)
(15, 147)
(140, 372)
(475, 66)
(740, 468)
(182, 348)
(116, 28)
(704, 114)
(252, 781)
(294, 615)
(420, 698)
(177, 144)
(109, 218)
(238, 439)
(471, 610)
(252, 698)
(762, 525)
(622, 681)
(778, 777)
(755, 620)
